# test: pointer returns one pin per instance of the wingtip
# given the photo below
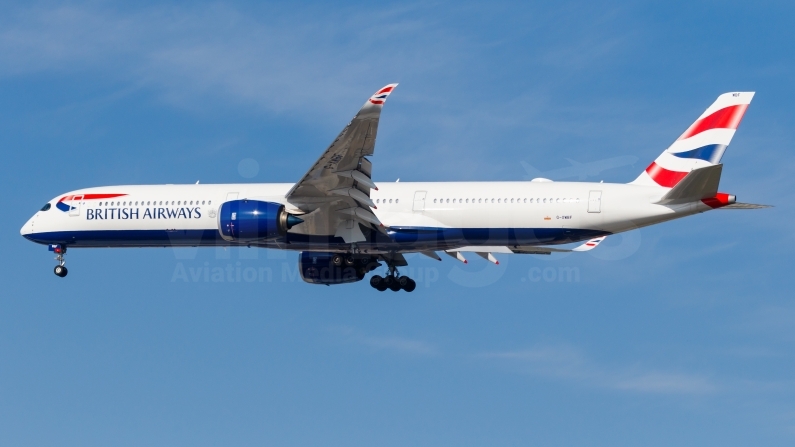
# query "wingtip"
(379, 98)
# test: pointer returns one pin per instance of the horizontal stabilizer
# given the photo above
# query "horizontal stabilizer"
(696, 185)
(744, 206)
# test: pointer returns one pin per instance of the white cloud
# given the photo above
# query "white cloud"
(278, 62)
(567, 363)
(385, 343)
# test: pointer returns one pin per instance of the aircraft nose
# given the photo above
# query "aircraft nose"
(27, 228)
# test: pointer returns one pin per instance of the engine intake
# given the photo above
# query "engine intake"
(254, 220)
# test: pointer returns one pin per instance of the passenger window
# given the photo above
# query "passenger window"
(397, 200)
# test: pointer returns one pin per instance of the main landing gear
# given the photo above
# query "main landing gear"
(393, 282)
(60, 251)
(361, 265)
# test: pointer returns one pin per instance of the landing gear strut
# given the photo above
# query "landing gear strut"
(60, 269)
(392, 281)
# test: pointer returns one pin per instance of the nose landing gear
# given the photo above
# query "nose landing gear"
(60, 269)
(393, 282)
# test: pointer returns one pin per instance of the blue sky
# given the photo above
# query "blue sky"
(679, 334)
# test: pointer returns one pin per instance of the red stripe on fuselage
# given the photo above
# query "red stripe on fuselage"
(726, 118)
(664, 177)
(92, 196)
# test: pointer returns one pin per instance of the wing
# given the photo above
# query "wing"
(335, 192)
(486, 252)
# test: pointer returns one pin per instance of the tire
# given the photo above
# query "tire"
(394, 285)
(349, 261)
(337, 260)
(376, 281)
(60, 271)
(410, 286)
(403, 281)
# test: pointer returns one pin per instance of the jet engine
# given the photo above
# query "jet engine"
(333, 268)
(254, 220)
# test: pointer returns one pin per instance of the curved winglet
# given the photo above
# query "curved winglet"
(379, 98)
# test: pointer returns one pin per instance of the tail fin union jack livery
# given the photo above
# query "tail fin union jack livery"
(345, 225)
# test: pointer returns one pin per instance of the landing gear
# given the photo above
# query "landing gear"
(60, 269)
(392, 282)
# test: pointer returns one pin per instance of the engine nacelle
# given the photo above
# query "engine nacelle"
(253, 220)
(333, 268)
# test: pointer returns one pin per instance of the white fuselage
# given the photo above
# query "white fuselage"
(422, 215)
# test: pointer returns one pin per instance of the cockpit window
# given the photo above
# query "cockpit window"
(46, 207)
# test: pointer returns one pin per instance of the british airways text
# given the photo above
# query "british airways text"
(148, 213)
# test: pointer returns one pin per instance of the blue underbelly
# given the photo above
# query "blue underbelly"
(398, 238)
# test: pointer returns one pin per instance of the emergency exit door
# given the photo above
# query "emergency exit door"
(419, 201)
(595, 202)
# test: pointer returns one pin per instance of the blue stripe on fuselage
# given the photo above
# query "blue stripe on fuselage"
(400, 238)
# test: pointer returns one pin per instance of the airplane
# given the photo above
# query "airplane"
(345, 225)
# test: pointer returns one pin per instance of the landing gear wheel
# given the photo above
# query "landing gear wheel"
(378, 283)
(391, 283)
(349, 261)
(60, 271)
(337, 260)
(409, 285)
(394, 285)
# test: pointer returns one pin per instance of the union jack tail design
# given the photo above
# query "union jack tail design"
(702, 144)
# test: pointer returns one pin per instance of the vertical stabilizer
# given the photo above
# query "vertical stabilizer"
(703, 143)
